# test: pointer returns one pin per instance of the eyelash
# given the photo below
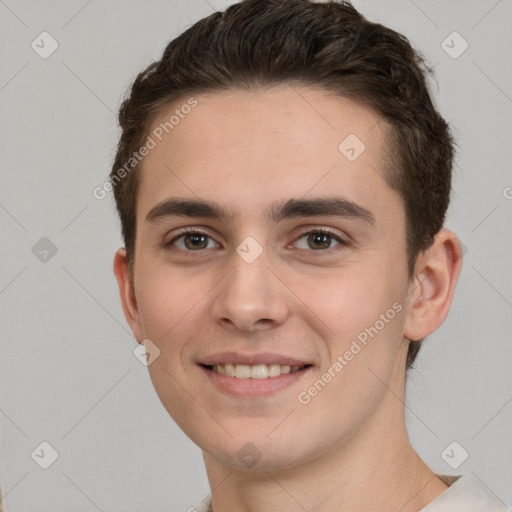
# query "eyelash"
(320, 231)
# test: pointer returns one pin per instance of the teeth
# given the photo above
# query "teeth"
(242, 371)
(258, 371)
(274, 370)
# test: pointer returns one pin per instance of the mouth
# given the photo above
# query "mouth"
(242, 380)
(257, 371)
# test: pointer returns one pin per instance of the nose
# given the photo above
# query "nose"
(250, 297)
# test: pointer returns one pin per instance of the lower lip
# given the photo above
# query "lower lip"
(253, 387)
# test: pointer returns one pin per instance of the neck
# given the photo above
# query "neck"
(376, 469)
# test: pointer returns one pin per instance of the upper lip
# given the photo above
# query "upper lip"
(251, 359)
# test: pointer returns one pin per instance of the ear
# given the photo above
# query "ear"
(127, 292)
(431, 292)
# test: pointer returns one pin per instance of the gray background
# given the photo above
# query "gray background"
(68, 374)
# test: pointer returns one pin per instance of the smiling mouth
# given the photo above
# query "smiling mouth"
(258, 371)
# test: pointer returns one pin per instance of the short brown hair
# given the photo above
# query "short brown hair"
(331, 46)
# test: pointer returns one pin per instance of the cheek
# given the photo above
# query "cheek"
(366, 318)
(169, 305)
(356, 307)
(342, 300)
(164, 300)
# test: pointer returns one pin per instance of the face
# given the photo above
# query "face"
(264, 245)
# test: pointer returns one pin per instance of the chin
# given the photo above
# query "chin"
(255, 452)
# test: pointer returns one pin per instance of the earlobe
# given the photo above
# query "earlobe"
(127, 293)
(431, 293)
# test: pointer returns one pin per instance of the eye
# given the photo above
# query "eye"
(318, 240)
(192, 240)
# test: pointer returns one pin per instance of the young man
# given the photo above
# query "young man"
(282, 180)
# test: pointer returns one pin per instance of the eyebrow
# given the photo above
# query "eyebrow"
(324, 206)
(292, 208)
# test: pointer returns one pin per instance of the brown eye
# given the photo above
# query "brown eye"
(195, 241)
(192, 241)
(319, 240)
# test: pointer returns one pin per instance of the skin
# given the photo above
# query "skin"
(347, 449)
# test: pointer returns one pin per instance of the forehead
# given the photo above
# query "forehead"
(246, 148)
(300, 116)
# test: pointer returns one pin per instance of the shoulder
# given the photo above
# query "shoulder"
(204, 506)
(464, 494)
